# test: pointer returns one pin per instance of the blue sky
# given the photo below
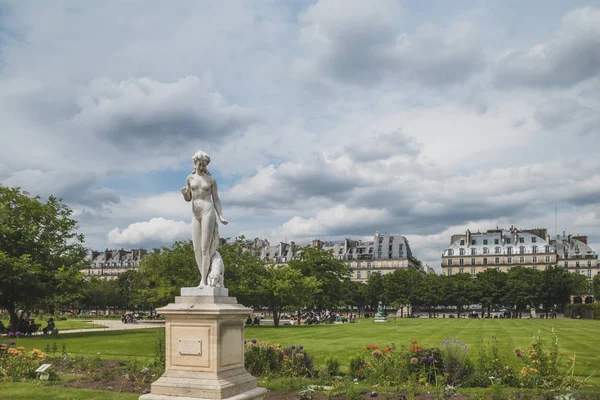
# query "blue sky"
(323, 119)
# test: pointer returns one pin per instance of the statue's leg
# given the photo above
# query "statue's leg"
(207, 231)
(197, 242)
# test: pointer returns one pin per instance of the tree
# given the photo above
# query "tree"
(165, 273)
(462, 291)
(374, 292)
(522, 288)
(41, 253)
(328, 271)
(490, 285)
(431, 295)
(596, 287)
(402, 288)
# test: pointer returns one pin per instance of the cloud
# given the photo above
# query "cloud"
(569, 57)
(355, 43)
(157, 230)
(149, 112)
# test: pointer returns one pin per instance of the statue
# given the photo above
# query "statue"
(201, 190)
(380, 316)
(380, 308)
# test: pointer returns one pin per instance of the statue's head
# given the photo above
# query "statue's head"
(201, 160)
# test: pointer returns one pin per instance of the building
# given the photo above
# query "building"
(110, 263)
(383, 255)
(575, 255)
(503, 249)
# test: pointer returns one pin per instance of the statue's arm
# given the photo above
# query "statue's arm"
(187, 190)
(217, 203)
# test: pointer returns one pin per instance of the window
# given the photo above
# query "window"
(534, 249)
(462, 252)
(521, 240)
(509, 250)
(522, 250)
(497, 250)
(357, 274)
(547, 249)
(533, 239)
(522, 260)
(449, 271)
(566, 264)
(368, 265)
(589, 263)
(461, 261)
(368, 274)
(472, 271)
(496, 241)
(576, 264)
(461, 270)
(450, 252)
(472, 261)
(484, 241)
(589, 273)
(357, 265)
(462, 242)
(473, 251)
(450, 261)
(485, 261)
(473, 242)
(534, 259)
(509, 260)
(507, 240)
(547, 259)
(497, 260)
(485, 250)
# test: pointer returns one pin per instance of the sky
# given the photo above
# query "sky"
(323, 119)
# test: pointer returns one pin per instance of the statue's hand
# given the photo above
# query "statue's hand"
(184, 190)
(223, 220)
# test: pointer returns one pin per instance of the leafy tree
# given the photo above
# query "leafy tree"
(596, 287)
(461, 291)
(328, 271)
(431, 295)
(287, 288)
(165, 273)
(490, 285)
(374, 292)
(403, 288)
(522, 288)
(41, 253)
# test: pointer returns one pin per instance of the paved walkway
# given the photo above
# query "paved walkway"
(113, 325)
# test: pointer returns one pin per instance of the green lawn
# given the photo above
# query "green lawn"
(63, 325)
(579, 337)
(39, 391)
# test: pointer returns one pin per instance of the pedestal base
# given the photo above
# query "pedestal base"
(204, 342)
(254, 394)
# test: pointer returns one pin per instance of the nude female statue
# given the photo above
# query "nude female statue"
(201, 190)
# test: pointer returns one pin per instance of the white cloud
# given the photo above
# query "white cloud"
(157, 230)
(569, 57)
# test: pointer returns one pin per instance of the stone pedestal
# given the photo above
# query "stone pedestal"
(204, 341)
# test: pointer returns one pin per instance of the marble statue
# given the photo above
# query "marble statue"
(201, 190)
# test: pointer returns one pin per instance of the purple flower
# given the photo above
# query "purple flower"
(11, 343)
(293, 347)
(18, 334)
(253, 341)
(11, 334)
(431, 358)
(423, 359)
(300, 347)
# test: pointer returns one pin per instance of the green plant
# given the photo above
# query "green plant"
(262, 358)
(17, 364)
(456, 362)
(332, 367)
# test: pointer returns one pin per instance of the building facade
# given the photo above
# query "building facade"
(503, 249)
(383, 255)
(109, 264)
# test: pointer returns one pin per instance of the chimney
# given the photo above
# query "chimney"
(317, 244)
(95, 254)
(581, 239)
(468, 237)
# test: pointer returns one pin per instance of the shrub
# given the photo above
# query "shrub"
(456, 365)
(17, 364)
(262, 358)
(491, 368)
(296, 362)
(332, 367)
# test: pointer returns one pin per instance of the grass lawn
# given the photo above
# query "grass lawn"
(342, 341)
(44, 392)
(68, 324)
